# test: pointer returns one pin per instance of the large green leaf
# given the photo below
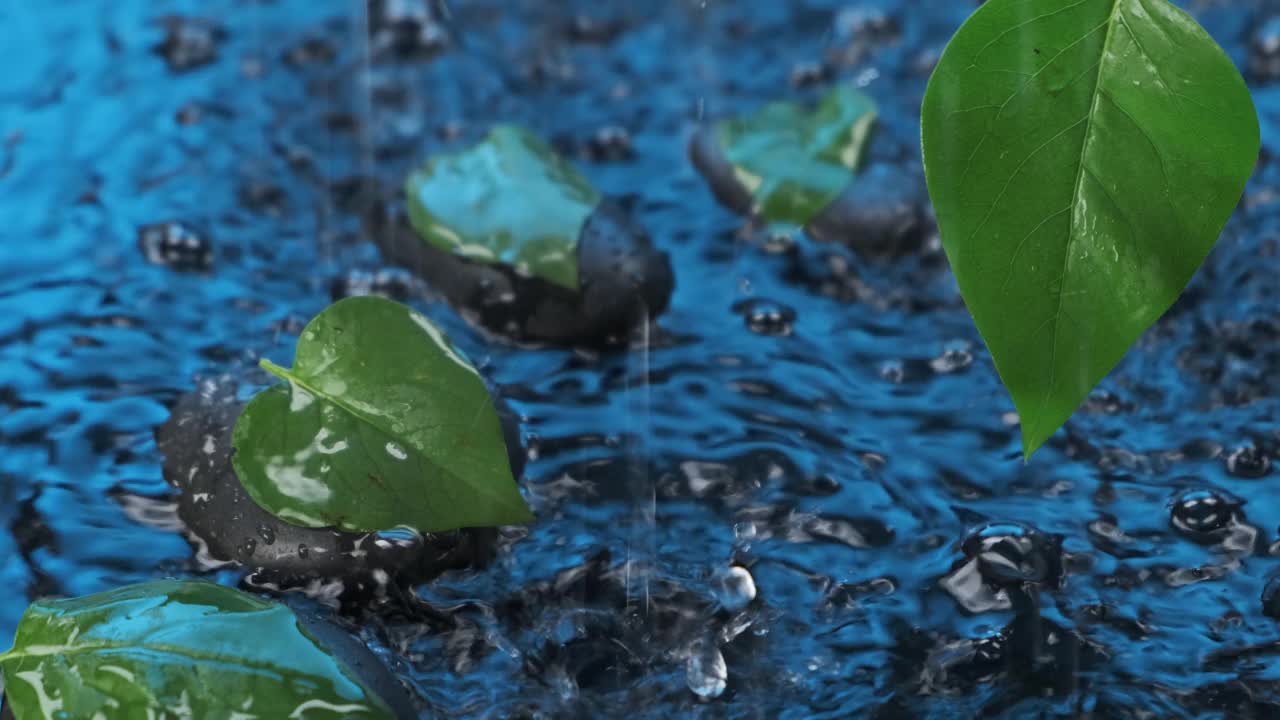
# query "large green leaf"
(176, 649)
(509, 200)
(793, 160)
(1083, 157)
(381, 423)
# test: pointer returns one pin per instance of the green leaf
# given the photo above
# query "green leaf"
(509, 200)
(382, 423)
(1083, 158)
(794, 161)
(175, 649)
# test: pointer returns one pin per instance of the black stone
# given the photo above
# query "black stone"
(360, 660)
(226, 526)
(623, 281)
(881, 213)
(708, 158)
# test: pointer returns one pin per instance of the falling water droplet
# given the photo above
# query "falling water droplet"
(705, 671)
(734, 587)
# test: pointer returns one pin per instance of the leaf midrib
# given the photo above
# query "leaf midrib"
(289, 376)
(1075, 204)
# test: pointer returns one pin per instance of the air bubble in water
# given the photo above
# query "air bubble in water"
(705, 671)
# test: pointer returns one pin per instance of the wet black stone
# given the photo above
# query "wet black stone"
(177, 246)
(1012, 553)
(1264, 52)
(189, 42)
(1248, 462)
(1203, 513)
(226, 526)
(623, 282)
(708, 158)
(766, 317)
(1271, 598)
(881, 213)
(360, 660)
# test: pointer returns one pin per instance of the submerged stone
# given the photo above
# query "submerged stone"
(227, 527)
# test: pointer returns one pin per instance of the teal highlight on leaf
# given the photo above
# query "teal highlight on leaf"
(142, 651)
(795, 160)
(509, 200)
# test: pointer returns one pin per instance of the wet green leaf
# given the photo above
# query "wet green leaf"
(175, 649)
(794, 160)
(509, 200)
(1083, 158)
(381, 423)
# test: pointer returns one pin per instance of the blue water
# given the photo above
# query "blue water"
(840, 457)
